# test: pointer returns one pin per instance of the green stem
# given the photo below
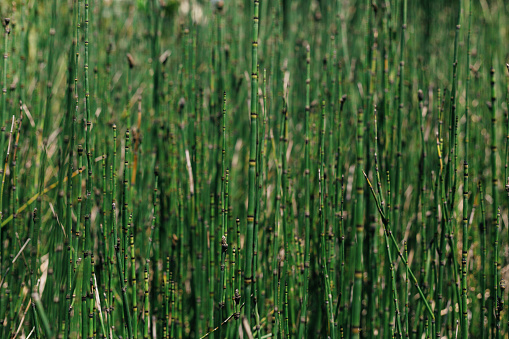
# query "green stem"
(248, 272)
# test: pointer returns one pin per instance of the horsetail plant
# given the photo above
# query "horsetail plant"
(464, 322)
(307, 214)
(248, 272)
(268, 215)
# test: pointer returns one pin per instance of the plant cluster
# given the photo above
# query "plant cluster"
(254, 169)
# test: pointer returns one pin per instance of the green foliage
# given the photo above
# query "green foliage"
(192, 169)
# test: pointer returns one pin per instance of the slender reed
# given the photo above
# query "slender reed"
(464, 283)
(307, 214)
(359, 227)
(248, 273)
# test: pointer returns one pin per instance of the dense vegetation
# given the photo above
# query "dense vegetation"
(254, 169)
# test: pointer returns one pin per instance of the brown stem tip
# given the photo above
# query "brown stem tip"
(130, 60)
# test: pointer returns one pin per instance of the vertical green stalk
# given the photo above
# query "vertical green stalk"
(113, 223)
(407, 328)
(283, 142)
(506, 167)
(146, 271)
(75, 117)
(113, 192)
(249, 244)
(125, 206)
(493, 154)
(8, 292)
(303, 314)
(87, 292)
(69, 222)
(224, 250)
(14, 205)
(442, 248)
(359, 224)
(496, 298)
(482, 278)
(321, 175)
(105, 232)
(211, 268)
(287, 329)
(133, 281)
(464, 324)
(7, 32)
(146, 313)
(340, 184)
(78, 209)
(224, 228)
(34, 235)
(239, 275)
(399, 165)
(453, 135)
